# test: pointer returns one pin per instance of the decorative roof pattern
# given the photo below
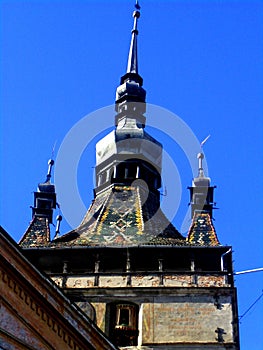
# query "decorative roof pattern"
(119, 216)
(37, 234)
(202, 231)
(124, 214)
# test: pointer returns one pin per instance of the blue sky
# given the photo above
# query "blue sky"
(202, 60)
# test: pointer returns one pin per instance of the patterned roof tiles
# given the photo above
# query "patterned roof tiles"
(37, 234)
(122, 215)
(202, 231)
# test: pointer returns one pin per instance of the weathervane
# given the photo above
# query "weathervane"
(204, 141)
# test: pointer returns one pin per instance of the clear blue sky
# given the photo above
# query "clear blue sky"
(203, 60)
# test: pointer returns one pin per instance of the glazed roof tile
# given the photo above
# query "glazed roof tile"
(121, 216)
(37, 234)
(202, 231)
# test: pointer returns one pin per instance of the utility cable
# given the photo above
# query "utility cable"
(251, 306)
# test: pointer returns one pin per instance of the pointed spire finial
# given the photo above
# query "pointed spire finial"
(137, 6)
(132, 66)
(50, 165)
(130, 88)
(59, 219)
(200, 157)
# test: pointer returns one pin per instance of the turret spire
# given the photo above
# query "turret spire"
(45, 196)
(50, 165)
(200, 158)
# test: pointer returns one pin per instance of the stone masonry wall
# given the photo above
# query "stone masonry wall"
(187, 319)
(183, 308)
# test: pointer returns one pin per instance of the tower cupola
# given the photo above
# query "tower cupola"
(129, 153)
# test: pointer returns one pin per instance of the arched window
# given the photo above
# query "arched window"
(123, 323)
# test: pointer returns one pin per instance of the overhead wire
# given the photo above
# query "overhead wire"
(255, 302)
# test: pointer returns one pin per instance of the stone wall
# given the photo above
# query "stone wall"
(190, 318)
(187, 319)
(176, 310)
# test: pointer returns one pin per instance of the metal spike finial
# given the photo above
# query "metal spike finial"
(137, 6)
(200, 157)
(59, 219)
(50, 165)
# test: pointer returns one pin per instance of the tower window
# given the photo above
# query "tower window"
(123, 323)
(44, 203)
(130, 171)
(124, 317)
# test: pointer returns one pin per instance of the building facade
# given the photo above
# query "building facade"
(126, 266)
(34, 313)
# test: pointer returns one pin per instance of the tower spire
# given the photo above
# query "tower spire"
(130, 89)
(132, 66)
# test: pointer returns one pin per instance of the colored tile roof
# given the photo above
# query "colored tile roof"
(202, 231)
(37, 234)
(123, 215)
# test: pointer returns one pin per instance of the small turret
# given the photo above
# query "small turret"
(202, 231)
(38, 232)
(45, 197)
(201, 193)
